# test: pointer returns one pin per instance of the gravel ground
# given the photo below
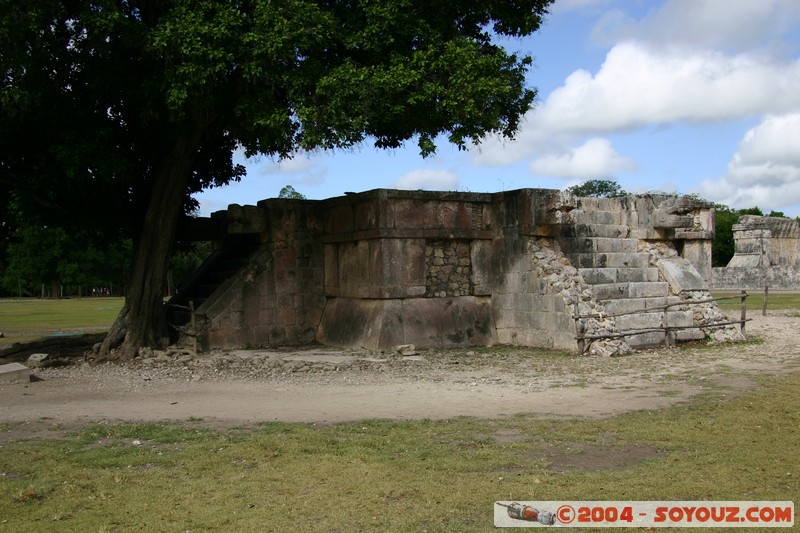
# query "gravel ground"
(323, 385)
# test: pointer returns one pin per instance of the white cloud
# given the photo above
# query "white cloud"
(765, 170)
(431, 180)
(296, 165)
(596, 158)
(776, 141)
(299, 170)
(639, 86)
(577, 5)
(722, 24)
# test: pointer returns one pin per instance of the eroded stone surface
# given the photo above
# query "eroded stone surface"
(531, 267)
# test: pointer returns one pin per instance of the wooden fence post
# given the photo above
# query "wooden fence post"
(579, 330)
(194, 324)
(744, 312)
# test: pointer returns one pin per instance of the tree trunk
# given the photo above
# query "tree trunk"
(141, 321)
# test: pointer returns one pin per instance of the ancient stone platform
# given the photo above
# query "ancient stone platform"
(531, 267)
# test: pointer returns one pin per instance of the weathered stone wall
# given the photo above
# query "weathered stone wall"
(399, 268)
(767, 253)
(278, 298)
(436, 269)
(783, 278)
(448, 268)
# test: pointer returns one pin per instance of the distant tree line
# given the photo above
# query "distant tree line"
(47, 261)
(57, 261)
(52, 262)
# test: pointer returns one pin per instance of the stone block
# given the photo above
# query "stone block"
(653, 303)
(543, 321)
(539, 339)
(38, 360)
(479, 290)
(688, 335)
(650, 234)
(599, 217)
(603, 245)
(565, 341)
(638, 274)
(611, 291)
(639, 321)
(615, 307)
(564, 323)
(601, 230)
(513, 283)
(680, 318)
(504, 301)
(481, 258)
(547, 302)
(504, 318)
(412, 291)
(624, 260)
(648, 289)
(646, 339)
(681, 274)
(596, 276)
(506, 336)
(14, 373)
(587, 260)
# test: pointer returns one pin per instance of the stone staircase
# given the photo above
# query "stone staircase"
(623, 280)
(220, 266)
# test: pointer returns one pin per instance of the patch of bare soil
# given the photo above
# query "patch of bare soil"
(319, 385)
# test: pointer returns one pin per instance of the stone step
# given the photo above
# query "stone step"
(633, 305)
(656, 338)
(654, 320)
(585, 245)
(687, 335)
(606, 218)
(642, 340)
(614, 231)
(633, 289)
(609, 260)
(595, 276)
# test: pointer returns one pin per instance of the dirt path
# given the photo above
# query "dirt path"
(325, 386)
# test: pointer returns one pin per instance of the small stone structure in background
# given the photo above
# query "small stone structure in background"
(383, 268)
(767, 253)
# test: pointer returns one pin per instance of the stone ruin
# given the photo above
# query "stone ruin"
(531, 267)
(766, 254)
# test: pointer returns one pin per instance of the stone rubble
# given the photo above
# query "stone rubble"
(707, 312)
(562, 278)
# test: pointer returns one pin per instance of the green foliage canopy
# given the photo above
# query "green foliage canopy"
(289, 192)
(96, 93)
(598, 189)
(113, 113)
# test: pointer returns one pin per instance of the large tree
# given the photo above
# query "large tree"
(113, 112)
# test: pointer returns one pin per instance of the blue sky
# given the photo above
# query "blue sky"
(687, 96)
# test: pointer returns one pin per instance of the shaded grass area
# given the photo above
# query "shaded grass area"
(27, 319)
(379, 475)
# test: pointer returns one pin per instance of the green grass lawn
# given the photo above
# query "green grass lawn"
(27, 319)
(397, 476)
(379, 475)
(755, 300)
